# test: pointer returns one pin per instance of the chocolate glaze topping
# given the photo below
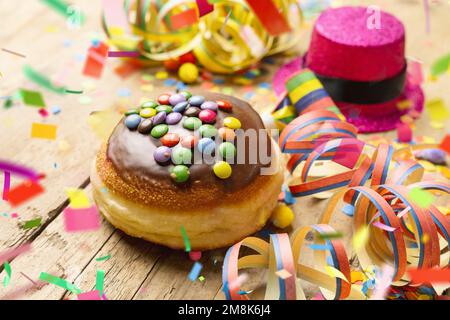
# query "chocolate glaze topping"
(131, 152)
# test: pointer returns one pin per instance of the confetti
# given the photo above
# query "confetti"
(85, 219)
(24, 192)
(440, 66)
(423, 198)
(41, 80)
(427, 275)
(43, 131)
(123, 54)
(187, 244)
(404, 132)
(445, 144)
(63, 8)
(195, 271)
(335, 273)
(269, 16)
(7, 278)
(6, 185)
(30, 224)
(59, 282)
(437, 110)
(384, 227)
(104, 258)
(90, 295)
(348, 155)
(13, 52)
(12, 253)
(74, 91)
(78, 198)
(100, 281)
(204, 7)
(32, 98)
(95, 60)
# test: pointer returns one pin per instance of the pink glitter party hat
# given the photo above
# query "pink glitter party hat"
(361, 63)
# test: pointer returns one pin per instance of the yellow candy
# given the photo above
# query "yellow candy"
(147, 112)
(222, 170)
(188, 72)
(282, 216)
(232, 123)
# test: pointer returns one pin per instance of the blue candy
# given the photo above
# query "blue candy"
(206, 145)
(180, 107)
(132, 121)
(196, 100)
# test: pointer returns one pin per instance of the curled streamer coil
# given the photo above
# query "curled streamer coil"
(375, 188)
(226, 40)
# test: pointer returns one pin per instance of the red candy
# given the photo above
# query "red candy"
(207, 116)
(170, 140)
(224, 105)
(172, 64)
(164, 99)
(187, 57)
(189, 141)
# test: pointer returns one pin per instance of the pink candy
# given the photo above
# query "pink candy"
(207, 116)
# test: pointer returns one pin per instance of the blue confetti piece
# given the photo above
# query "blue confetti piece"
(170, 82)
(67, 43)
(288, 198)
(124, 92)
(96, 43)
(219, 80)
(348, 209)
(265, 85)
(181, 85)
(56, 109)
(249, 95)
(319, 246)
(195, 271)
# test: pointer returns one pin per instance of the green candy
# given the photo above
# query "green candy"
(207, 131)
(181, 156)
(180, 173)
(227, 150)
(166, 109)
(131, 111)
(186, 94)
(149, 104)
(192, 123)
(159, 131)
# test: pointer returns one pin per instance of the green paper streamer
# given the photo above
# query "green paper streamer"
(41, 80)
(63, 8)
(59, 282)
(7, 278)
(100, 281)
(440, 66)
(104, 258)
(187, 244)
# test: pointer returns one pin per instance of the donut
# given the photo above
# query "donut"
(189, 170)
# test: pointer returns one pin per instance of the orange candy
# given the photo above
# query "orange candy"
(170, 140)
(227, 134)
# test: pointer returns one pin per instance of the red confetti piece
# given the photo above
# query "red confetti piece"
(95, 60)
(43, 112)
(204, 7)
(427, 275)
(24, 192)
(445, 144)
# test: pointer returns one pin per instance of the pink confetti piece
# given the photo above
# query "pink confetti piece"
(84, 219)
(383, 283)
(382, 226)
(12, 253)
(6, 185)
(123, 54)
(90, 295)
(204, 7)
(404, 132)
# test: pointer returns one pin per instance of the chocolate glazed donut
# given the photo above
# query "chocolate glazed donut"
(144, 200)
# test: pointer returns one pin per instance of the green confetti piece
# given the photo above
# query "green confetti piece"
(7, 278)
(74, 91)
(32, 223)
(440, 66)
(100, 281)
(31, 98)
(334, 235)
(201, 278)
(187, 244)
(104, 258)
(59, 282)
(64, 8)
(423, 198)
(41, 80)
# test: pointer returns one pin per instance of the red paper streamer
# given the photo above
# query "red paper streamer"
(269, 16)
(184, 19)
(428, 275)
(204, 7)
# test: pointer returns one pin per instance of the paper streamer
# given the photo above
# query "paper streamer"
(12, 253)
(372, 189)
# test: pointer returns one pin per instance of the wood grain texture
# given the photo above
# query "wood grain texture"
(136, 269)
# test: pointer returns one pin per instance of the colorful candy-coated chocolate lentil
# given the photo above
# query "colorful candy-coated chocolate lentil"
(222, 170)
(189, 141)
(180, 107)
(133, 120)
(180, 173)
(164, 98)
(195, 255)
(181, 155)
(176, 98)
(207, 116)
(188, 72)
(192, 112)
(192, 123)
(207, 131)
(227, 134)
(224, 105)
(187, 94)
(131, 111)
(149, 104)
(145, 126)
(196, 100)
(206, 145)
(232, 123)
(227, 150)
(209, 105)
(162, 154)
(147, 112)
(159, 131)
(173, 118)
(159, 118)
(282, 216)
(170, 140)
(167, 109)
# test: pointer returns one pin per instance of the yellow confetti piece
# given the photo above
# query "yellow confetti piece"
(147, 88)
(404, 104)
(335, 273)
(356, 276)
(102, 122)
(161, 75)
(360, 238)
(43, 131)
(437, 110)
(63, 145)
(437, 125)
(77, 198)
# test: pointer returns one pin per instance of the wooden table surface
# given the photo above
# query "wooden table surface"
(136, 269)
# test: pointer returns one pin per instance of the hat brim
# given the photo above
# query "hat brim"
(372, 119)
